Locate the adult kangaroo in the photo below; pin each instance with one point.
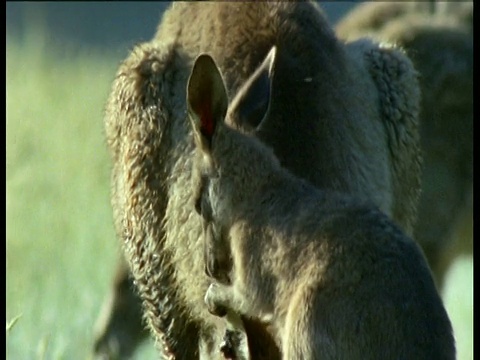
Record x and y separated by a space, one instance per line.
341 116
438 38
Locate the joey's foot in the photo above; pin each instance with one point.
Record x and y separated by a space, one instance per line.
227 347
235 345
211 299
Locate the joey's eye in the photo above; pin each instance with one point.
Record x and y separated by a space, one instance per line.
214 174
206 208
199 195
203 206
198 205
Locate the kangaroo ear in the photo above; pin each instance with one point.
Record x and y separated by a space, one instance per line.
252 102
398 88
207 100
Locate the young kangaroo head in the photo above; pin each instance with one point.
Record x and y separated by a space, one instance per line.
223 154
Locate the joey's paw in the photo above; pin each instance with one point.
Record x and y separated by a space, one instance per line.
212 301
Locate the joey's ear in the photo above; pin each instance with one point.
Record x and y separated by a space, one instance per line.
252 102
207 100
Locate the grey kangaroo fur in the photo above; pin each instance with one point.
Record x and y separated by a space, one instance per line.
341 116
333 276
438 37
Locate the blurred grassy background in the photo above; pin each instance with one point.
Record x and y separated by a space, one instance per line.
61 247
60 242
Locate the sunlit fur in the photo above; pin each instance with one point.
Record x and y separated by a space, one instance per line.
342 116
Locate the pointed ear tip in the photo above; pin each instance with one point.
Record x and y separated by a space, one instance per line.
199 63
270 58
272 53
204 59
203 56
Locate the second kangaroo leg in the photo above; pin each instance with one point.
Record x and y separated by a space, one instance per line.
119 328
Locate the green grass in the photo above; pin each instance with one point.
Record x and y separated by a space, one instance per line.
458 298
61 247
